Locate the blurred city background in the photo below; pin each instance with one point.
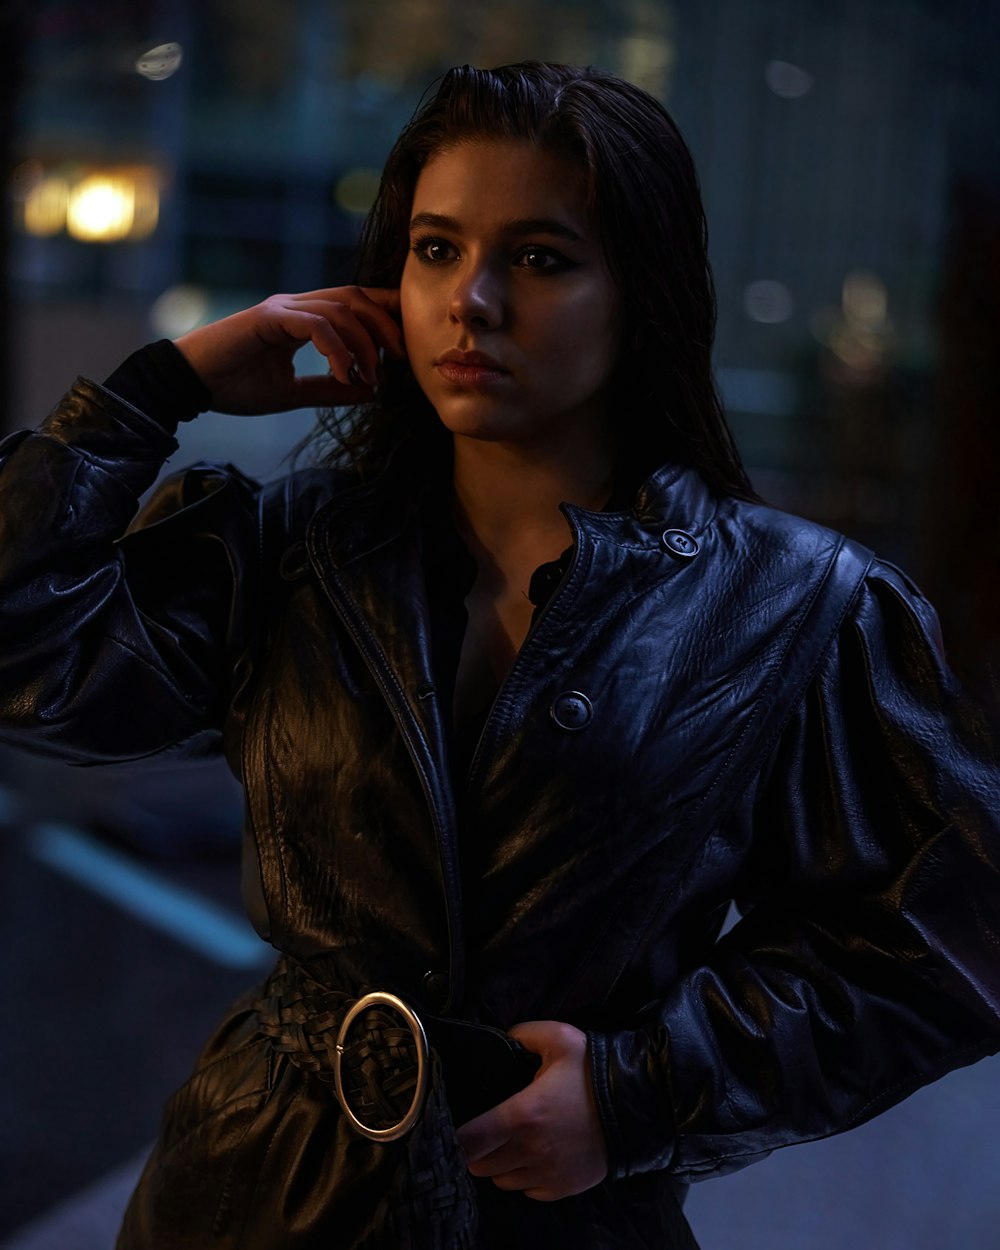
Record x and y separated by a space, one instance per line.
169 161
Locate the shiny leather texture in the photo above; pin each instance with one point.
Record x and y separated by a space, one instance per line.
719 702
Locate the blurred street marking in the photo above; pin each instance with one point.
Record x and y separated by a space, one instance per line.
198 922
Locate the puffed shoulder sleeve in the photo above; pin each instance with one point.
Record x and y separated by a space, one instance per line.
115 646
867 959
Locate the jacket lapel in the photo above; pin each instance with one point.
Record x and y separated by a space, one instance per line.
367 554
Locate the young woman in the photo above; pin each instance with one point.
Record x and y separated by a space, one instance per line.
524 687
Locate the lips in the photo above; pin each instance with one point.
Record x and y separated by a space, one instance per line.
473 370
473 360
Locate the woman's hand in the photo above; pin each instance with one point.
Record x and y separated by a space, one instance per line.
547 1139
246 360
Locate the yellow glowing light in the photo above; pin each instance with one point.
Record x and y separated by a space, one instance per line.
26 178
356 190
146 207
101 209
95 206
45 207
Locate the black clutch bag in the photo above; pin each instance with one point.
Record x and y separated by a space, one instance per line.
481 1065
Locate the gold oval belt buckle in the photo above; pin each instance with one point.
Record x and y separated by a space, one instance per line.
381 1066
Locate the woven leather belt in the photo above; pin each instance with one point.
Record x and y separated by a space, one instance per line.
376 1052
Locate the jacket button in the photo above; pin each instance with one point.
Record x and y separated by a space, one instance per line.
435 987
571 710
679 543
294 562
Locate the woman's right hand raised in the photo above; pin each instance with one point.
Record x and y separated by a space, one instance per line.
247 360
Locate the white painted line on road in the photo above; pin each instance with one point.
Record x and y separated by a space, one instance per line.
211 930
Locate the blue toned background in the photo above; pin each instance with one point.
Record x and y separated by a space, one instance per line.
168 161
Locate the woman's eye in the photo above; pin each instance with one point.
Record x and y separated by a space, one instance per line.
433 251
542 260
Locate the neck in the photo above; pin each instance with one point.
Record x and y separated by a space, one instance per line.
507 497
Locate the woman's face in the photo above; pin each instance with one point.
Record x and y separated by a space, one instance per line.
510 315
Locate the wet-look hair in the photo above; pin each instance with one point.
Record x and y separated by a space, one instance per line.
643 193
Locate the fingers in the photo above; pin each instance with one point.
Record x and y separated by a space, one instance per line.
547 1038
547 1139
513 1144
377 308
485 1134
346 343
345 325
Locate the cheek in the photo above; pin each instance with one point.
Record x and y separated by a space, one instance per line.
416 304
407 310
409 303
589 332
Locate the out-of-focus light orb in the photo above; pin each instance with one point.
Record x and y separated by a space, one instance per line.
45 207
646 59
26 177
94 206
178 310
355 192
160 62
768 301
146 204
101 209
787 80
865 299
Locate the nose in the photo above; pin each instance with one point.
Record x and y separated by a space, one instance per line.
477 298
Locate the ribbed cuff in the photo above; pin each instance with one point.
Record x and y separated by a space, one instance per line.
158 381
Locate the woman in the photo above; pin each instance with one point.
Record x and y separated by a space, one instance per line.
524 687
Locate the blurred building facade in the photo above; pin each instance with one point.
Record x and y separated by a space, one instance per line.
835 144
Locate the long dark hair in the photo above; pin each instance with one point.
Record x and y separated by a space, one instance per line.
644 193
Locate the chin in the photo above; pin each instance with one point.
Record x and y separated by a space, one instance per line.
470 421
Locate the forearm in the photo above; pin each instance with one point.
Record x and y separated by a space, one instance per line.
77 651
158 381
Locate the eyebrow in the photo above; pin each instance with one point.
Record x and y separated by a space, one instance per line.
522 226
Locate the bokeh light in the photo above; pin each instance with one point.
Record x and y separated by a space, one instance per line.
91 205
45 207
768 301
787 80
100 209
355 192
865 299
160 62
179 309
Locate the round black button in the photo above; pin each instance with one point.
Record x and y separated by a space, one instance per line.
294 562
679 543
435 987
571 710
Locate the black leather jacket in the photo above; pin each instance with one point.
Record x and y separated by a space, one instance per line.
718 702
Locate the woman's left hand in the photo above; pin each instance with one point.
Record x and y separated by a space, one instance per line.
547 1139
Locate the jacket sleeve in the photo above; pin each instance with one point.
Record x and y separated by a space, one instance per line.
867 959
114 647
